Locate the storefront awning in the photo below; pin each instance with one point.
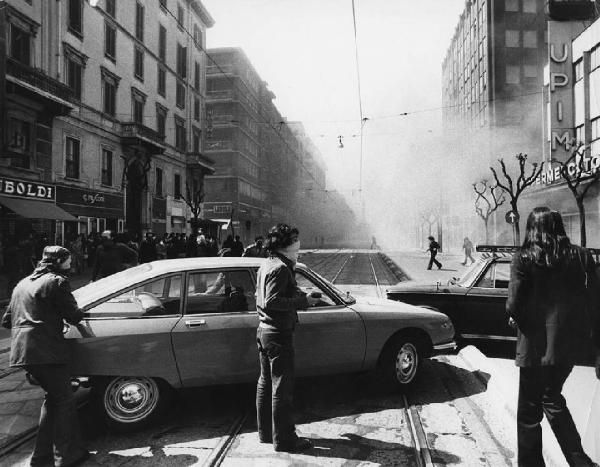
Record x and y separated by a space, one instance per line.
33 209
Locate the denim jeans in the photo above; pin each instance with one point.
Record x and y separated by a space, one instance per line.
275 388
59 435
540 391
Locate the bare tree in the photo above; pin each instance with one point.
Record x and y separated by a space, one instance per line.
582 172
194 198
491 202
515 189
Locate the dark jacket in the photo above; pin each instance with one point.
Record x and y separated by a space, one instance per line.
277 295
255 251
549 306
112 258
37 308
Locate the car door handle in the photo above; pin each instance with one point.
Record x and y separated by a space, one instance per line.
194 323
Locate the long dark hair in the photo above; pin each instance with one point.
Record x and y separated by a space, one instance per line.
546 242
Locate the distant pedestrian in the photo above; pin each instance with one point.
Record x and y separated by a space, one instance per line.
148 251
278 298
256 250
468 248
553 283
112 257
38 306
433 251
238 247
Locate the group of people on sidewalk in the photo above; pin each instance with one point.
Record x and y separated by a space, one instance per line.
553 302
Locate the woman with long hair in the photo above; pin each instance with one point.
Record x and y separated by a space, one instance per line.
553 300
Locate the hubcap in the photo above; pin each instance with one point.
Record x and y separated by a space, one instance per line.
129 399
407 360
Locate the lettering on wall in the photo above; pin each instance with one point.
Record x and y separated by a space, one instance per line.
26 189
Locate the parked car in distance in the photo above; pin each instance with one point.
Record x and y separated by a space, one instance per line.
192 322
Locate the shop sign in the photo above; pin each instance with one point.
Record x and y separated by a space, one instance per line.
26 189
580 168
89 198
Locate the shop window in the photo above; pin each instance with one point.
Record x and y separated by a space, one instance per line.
20 45
139 21
110 41
177 186
107 167
72 157
138 63
162 42
530 39
158 187
162 81
511 38
76 17
111 9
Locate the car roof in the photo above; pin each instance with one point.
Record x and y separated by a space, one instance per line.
164 266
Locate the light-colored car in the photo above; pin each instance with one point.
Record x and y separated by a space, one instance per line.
192 322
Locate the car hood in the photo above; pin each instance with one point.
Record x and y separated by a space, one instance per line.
372 305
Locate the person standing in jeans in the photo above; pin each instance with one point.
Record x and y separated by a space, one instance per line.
433 251
38 307
553 283
278 298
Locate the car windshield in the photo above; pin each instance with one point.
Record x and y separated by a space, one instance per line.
468 277
338 292
94 290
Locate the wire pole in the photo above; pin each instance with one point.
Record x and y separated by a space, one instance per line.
362 119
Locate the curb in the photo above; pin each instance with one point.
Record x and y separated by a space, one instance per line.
475 360
398 272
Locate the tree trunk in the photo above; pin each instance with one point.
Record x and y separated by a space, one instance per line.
487 231
517 229
582 232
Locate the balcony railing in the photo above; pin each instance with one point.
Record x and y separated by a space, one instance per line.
138 134
38 79
218 145
225 94
224 119
215 70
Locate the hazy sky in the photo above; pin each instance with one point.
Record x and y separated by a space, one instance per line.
304 50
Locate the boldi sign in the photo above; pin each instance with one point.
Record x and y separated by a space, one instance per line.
26 189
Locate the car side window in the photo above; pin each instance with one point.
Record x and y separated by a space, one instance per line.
220 291
307 285
487 280
158 297
496 277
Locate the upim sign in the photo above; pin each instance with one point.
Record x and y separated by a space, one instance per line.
26 189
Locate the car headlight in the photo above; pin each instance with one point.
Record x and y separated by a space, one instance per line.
446 325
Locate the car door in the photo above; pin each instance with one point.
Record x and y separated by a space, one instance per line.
128 333
485 305
215 342
330 337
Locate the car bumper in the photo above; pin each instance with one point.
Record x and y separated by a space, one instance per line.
445 347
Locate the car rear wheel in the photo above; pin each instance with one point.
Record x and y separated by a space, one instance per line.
128 403
400 362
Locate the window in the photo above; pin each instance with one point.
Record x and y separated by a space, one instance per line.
76 17
511 38
180 16
224 291
139 21
308 285
161 119
180 95
530 39
109 91
196 109
197 76
159 297
181 61
578 69
20 45
162 42
196 140
197 36
513 75
580 134
511 5
529 6
594 58
162 80
19 138
74 76
177 186
110 41
138 63
158 185
138 101
72 152
496 277
530 71
595 129
180 134
107 168
111 9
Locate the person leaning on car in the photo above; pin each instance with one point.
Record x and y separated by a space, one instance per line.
112 257
278 298
553 283
35 314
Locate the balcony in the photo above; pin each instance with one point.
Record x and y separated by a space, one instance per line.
56 95
136 134
219 95
222 145
196 160
218 70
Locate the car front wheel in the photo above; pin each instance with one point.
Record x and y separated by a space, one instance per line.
400 362
130 402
